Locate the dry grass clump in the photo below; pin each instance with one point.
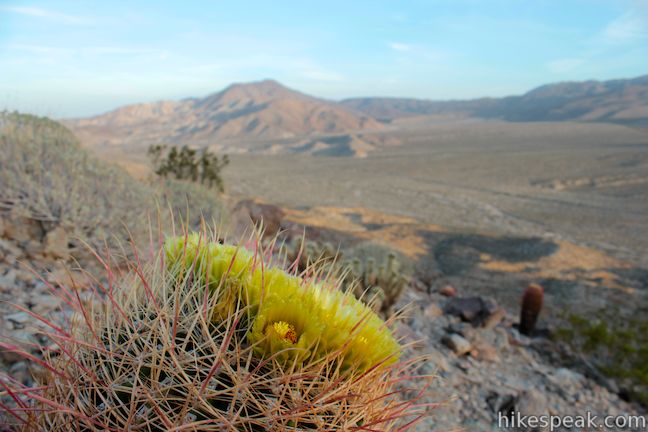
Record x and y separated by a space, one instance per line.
47 176
190 202
176 344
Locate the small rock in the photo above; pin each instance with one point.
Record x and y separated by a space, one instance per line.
9 280
33 249
59 276
457 344
418 285
20 372
435 362
517 339
56 243
432 311
485 352
23 229
497 337
18 317
494 318
562 375
9 356
16 338
45 302
463 329
448 291
531 403
8 250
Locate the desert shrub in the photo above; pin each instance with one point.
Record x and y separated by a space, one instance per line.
202 167
46 175
191 202
208 337
616 343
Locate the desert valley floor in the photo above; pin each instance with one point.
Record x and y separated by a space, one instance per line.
582 182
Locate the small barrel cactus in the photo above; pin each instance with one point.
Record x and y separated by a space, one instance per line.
532 300
212 337
304 253
382 285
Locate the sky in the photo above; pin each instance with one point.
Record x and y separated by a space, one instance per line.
81 58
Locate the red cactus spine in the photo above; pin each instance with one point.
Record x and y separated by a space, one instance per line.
531 306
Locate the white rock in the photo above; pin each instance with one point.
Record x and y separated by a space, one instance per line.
457 343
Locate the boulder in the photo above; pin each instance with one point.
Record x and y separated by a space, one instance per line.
475 310
254 212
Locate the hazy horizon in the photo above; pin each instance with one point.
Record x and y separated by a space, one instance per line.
71 59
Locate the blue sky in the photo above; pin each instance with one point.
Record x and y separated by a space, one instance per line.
78 58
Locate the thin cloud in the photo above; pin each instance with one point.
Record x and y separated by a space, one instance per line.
401 47
564 65
37 12
629 27
92 51
322 75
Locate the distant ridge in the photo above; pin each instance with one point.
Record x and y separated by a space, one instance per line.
623 101
260 112
267 117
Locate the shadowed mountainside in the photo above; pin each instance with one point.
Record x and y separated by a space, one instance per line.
622 101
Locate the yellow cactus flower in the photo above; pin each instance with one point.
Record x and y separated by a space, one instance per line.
286 327
354 328
290 318
223 267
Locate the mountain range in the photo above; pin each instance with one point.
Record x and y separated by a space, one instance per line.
622 101
268 117
259 116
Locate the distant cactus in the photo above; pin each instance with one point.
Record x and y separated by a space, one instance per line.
303 253
381 285
531 306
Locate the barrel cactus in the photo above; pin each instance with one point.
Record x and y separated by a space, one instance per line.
206 336
532 300
380 284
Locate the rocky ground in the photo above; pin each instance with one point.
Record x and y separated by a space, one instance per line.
31 262
483 364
